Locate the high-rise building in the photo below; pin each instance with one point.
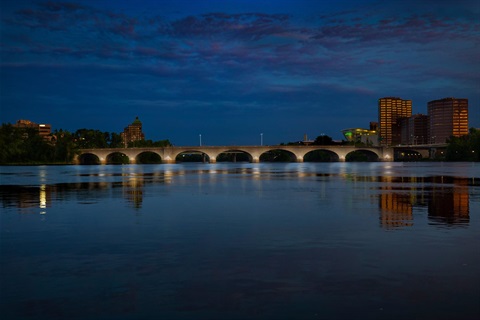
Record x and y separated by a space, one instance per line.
390 110
448 117
415 129
133 132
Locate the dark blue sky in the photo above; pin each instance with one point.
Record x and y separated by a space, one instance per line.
230 70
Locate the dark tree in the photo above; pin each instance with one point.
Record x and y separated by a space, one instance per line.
464 148
323 140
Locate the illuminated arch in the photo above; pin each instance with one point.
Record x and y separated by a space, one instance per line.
148 157
234 156
88 159
117 158
361 155
192 156
321 155
278 155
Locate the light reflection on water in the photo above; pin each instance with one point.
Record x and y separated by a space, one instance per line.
262 241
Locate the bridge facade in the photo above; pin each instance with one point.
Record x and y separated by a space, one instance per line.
169 154
425 151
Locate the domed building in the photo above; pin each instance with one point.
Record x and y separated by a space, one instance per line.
369 137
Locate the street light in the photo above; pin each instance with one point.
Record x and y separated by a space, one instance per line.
261 139
200 137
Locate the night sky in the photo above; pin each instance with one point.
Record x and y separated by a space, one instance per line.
231 70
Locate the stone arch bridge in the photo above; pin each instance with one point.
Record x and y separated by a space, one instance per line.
169 154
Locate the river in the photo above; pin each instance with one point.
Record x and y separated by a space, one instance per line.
241 241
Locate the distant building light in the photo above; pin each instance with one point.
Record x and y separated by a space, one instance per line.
41 125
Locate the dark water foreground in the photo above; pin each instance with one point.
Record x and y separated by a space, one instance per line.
241 241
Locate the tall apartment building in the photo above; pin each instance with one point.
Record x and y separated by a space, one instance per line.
133 132
390 110
448 117
415 129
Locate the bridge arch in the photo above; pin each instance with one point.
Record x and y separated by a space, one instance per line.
361 155
88 158
321 155
148 157
278 155
192 156
117 158
234 156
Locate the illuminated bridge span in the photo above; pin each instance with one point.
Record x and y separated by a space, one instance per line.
252 153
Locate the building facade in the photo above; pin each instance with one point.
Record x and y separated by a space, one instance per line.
415 129
448 117
368 137
390 110
132 133
44 130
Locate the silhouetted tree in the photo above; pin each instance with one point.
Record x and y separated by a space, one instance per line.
65 146
11 142
90 138
116 140
323 140
464 148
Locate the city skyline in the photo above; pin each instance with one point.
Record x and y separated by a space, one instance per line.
233 72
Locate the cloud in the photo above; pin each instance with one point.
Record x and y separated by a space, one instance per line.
251 26
257 58
80 31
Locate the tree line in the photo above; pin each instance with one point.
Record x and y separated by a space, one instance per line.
25 145
464 148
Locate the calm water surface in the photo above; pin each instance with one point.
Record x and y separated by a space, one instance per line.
241 241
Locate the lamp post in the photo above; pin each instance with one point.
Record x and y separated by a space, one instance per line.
261 139
200 138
